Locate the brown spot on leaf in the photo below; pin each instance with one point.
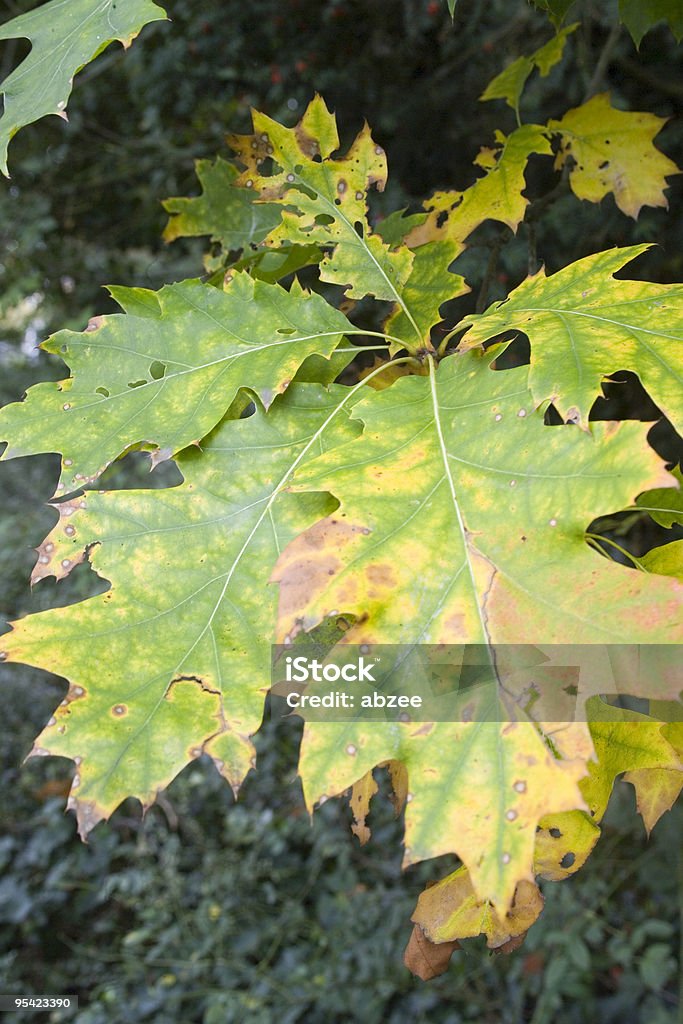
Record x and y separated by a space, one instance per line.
119 710
381 575
304 568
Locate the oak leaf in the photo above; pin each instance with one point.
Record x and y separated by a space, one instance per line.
65 35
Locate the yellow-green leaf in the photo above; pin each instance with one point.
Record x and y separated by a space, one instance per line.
563 844
628 742
163 376
584 325
667 560
438 460
325 200
657 789
495 196
451 910
477 789
174 659
612 151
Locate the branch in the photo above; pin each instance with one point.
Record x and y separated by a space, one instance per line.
596 80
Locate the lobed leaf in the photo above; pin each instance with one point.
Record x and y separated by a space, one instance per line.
612 151
583 325
65 35
470 789
640 15
325 203
426 485
509 84
227 213
658 788
497 195
628 742
173 660
162 375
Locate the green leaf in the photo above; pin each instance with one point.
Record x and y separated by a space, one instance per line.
495 196
226 213
173 660
612 151
509 84
583 325
272 265
664 504
630 742
163 379
424 486
65 35
667 560
556 9
640 15
658 788
325 202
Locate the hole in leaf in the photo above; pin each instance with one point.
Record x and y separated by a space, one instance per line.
324 218
286 330
102 391
567 860
137 383
359 229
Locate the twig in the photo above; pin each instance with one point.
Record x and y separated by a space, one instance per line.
595 83
669 87
482 297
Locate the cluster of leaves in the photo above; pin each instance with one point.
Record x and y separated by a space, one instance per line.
265 915
637 15
443 499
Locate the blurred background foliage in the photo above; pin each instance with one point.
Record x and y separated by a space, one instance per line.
208 912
